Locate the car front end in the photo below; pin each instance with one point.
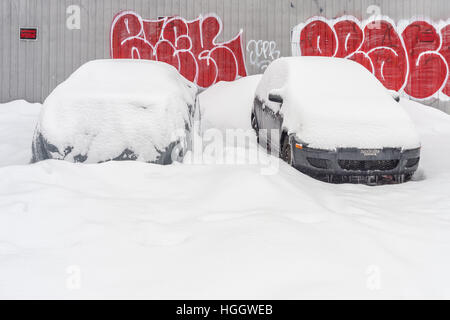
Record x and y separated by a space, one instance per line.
356 165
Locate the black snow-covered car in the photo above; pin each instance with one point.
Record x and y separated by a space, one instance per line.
333 120
117 110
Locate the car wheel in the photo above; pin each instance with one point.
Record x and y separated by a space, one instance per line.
286 150
255 127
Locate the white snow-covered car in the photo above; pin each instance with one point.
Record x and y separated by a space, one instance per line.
117 110
333 120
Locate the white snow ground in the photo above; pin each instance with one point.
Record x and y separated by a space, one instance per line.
17 122
136 230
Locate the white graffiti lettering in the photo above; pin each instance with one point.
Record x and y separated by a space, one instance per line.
262 53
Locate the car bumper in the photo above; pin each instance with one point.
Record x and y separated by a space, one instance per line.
370 166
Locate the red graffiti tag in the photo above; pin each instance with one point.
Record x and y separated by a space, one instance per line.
427 68
445 51
189 46
415 61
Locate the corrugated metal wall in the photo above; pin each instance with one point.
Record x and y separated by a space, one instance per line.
31 69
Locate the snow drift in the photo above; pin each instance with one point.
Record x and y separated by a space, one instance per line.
17 123
135 230
116 110
228 105
330 103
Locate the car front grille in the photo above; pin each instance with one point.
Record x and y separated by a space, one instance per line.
368 165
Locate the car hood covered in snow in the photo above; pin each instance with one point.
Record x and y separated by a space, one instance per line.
109 106
331 103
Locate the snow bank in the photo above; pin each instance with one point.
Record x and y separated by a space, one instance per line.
228 105
331 103
428 120
17 123
110 107
147 231
134 230
433 127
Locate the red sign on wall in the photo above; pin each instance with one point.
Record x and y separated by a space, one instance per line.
28 33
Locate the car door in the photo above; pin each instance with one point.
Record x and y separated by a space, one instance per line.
269 124
274 120
269 120
261 120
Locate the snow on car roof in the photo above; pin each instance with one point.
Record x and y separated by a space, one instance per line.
331 103
123 80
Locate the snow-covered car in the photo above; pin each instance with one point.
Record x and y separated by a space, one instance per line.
117 110
333 120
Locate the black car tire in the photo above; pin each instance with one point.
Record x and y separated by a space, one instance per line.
286 150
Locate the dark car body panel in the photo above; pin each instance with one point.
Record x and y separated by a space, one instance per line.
267 121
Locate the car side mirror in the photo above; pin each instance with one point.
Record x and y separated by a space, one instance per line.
275 98
395 95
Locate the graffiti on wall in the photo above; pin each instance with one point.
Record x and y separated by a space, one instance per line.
262 53
189 46
411 57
